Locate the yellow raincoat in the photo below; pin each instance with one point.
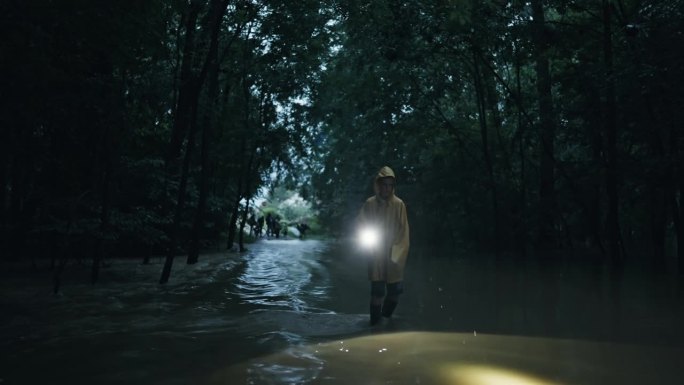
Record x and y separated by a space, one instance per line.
387 261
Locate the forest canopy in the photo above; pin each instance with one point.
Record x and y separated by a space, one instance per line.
132 128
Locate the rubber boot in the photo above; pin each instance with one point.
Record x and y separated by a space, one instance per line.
375 311
388 308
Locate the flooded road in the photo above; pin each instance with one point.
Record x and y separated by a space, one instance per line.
295 312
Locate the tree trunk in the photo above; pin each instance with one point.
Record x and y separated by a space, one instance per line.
207 126
5 161
190 82
658 224
248 187
677 176
104 215
610 129
233 223
241 234
238 197
234 214
678 217
18 213
178 212
546 131
612 220
594 214
186 117
187 85
679 203
186 107
63 251
193 252
484 135
521 232
546 216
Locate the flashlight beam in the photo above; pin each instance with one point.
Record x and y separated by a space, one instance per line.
369 237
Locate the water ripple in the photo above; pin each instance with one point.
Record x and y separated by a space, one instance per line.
289 276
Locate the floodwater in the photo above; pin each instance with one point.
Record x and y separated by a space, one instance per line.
295 312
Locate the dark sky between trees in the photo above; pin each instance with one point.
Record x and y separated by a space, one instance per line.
133 128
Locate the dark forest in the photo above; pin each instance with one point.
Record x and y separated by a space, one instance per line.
139 128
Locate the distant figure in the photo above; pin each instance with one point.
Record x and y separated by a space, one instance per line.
269 225
260 226
302 228
386 212
251 221
276 227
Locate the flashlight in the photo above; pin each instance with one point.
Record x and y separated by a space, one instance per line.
369 237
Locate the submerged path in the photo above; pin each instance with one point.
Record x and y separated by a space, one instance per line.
228 308
294 312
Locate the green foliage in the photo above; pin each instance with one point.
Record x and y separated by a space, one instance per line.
323 94
401 86
89 101
289 206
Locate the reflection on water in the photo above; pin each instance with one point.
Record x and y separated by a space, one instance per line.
295 312
459 359
285 275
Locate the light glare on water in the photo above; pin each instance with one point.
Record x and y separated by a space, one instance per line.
485 375
459 359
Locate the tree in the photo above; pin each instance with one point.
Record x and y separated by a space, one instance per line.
185 119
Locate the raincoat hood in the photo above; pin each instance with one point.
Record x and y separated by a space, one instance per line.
384 172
